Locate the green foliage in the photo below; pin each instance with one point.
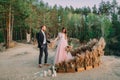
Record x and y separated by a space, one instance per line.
82 23
1 36
105 26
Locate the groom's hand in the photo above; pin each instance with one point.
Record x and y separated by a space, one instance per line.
51 41
51 44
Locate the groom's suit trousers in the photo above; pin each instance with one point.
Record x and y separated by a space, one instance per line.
42 49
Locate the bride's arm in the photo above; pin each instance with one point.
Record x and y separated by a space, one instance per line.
56 39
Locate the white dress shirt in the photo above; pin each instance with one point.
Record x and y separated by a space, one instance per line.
44 41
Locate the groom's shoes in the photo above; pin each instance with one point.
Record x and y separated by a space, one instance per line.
46 64
40 66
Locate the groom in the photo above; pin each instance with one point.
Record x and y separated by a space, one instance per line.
42 45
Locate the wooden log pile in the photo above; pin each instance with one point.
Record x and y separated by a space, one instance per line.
85 57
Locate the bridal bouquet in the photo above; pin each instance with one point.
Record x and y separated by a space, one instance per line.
68 48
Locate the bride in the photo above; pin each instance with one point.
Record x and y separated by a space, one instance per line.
61 53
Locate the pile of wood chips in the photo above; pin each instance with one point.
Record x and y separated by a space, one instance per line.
85 57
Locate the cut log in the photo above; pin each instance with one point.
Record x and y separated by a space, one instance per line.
61 71
88 67
70 70
80 69
95 65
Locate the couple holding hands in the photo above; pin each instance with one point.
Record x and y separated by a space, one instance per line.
60 54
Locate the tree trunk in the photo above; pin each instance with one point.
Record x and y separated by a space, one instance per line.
20 33
11 31
8 26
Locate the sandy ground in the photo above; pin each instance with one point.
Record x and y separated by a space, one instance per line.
21 63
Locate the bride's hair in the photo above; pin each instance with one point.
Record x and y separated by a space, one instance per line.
65 32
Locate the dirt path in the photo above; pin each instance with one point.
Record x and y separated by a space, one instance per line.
21 63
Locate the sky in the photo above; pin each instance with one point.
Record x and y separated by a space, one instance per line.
76 3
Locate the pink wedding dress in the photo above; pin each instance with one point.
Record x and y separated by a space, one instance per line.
61 53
